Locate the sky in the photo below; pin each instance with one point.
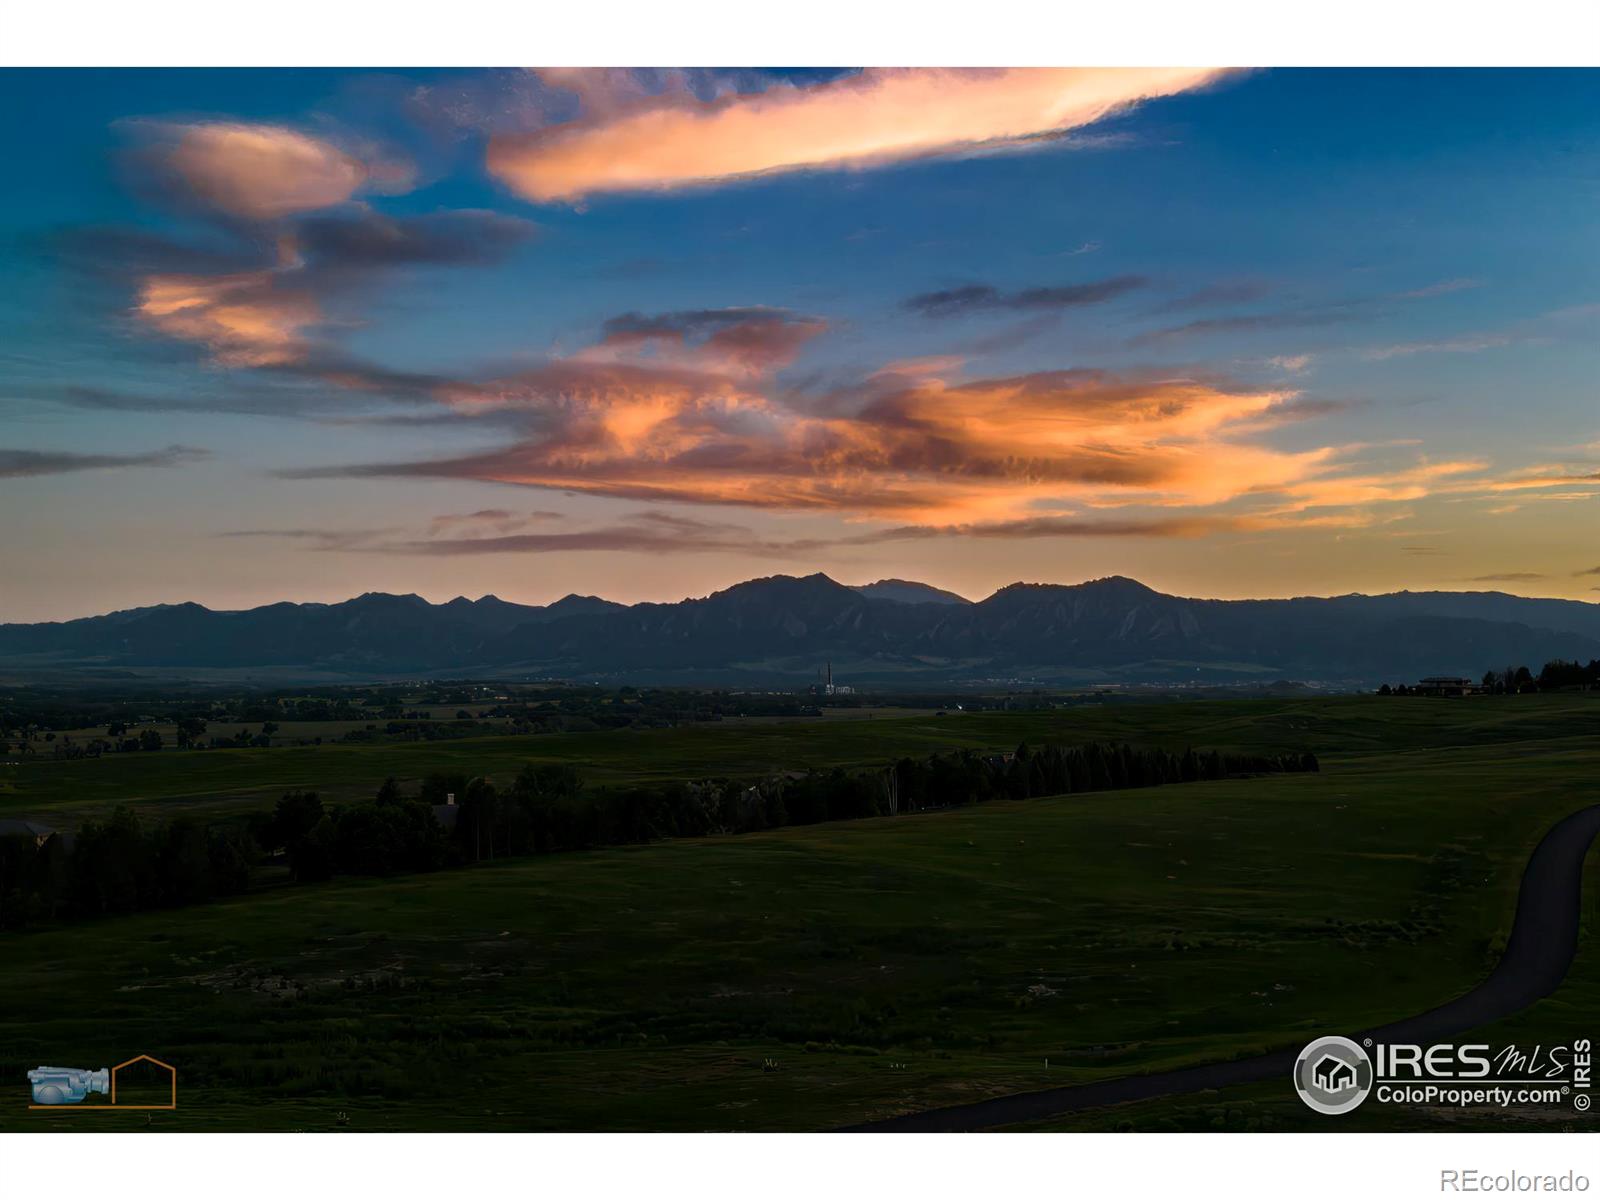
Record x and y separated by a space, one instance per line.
301 334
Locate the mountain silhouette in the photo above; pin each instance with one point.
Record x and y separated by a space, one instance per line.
783 628
908 592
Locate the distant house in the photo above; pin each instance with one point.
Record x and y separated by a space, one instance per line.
15 828
1447 685
1334 1074
447 813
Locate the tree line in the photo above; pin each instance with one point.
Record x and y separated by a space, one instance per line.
121 865
1555 676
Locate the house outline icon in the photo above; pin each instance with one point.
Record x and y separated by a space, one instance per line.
171 1071
1333 1075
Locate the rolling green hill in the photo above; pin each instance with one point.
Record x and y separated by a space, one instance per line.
220 781
812 977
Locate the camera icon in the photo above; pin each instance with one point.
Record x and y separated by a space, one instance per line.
67 1085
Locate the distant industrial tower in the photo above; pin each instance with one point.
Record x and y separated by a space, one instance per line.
829 688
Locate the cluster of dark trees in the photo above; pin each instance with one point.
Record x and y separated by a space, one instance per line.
1553 677
1054 770
120 866
390 835
546 809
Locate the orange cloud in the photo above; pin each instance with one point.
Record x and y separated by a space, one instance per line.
262 172
1547 476
247 319
684 407
906 445
260 317
875 117
1352 490
1020 457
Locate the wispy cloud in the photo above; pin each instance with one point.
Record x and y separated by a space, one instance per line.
1574 322
268 314
19 464
362 239
495 520
1031 528
270 398
642 533
316 539
878 116
978 297
649 532
1547 476
1225 294
749 340
656 532
1443 288
1347 489
1293 363
1471 344
1295 318
1291 315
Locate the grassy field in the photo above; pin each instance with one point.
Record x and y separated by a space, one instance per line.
812 977
1573 1011
214 782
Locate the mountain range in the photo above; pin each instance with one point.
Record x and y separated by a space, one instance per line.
783 629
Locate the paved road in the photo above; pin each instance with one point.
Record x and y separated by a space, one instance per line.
1544 938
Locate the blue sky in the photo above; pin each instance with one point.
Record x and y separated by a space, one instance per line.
300 334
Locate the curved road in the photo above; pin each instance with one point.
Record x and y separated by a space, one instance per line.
1544 938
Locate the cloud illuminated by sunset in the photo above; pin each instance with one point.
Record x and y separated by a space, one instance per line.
921 446
260 172
875 117
245 320
264 317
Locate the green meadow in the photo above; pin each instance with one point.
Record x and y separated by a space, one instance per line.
219 782
1573 1011
811 977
